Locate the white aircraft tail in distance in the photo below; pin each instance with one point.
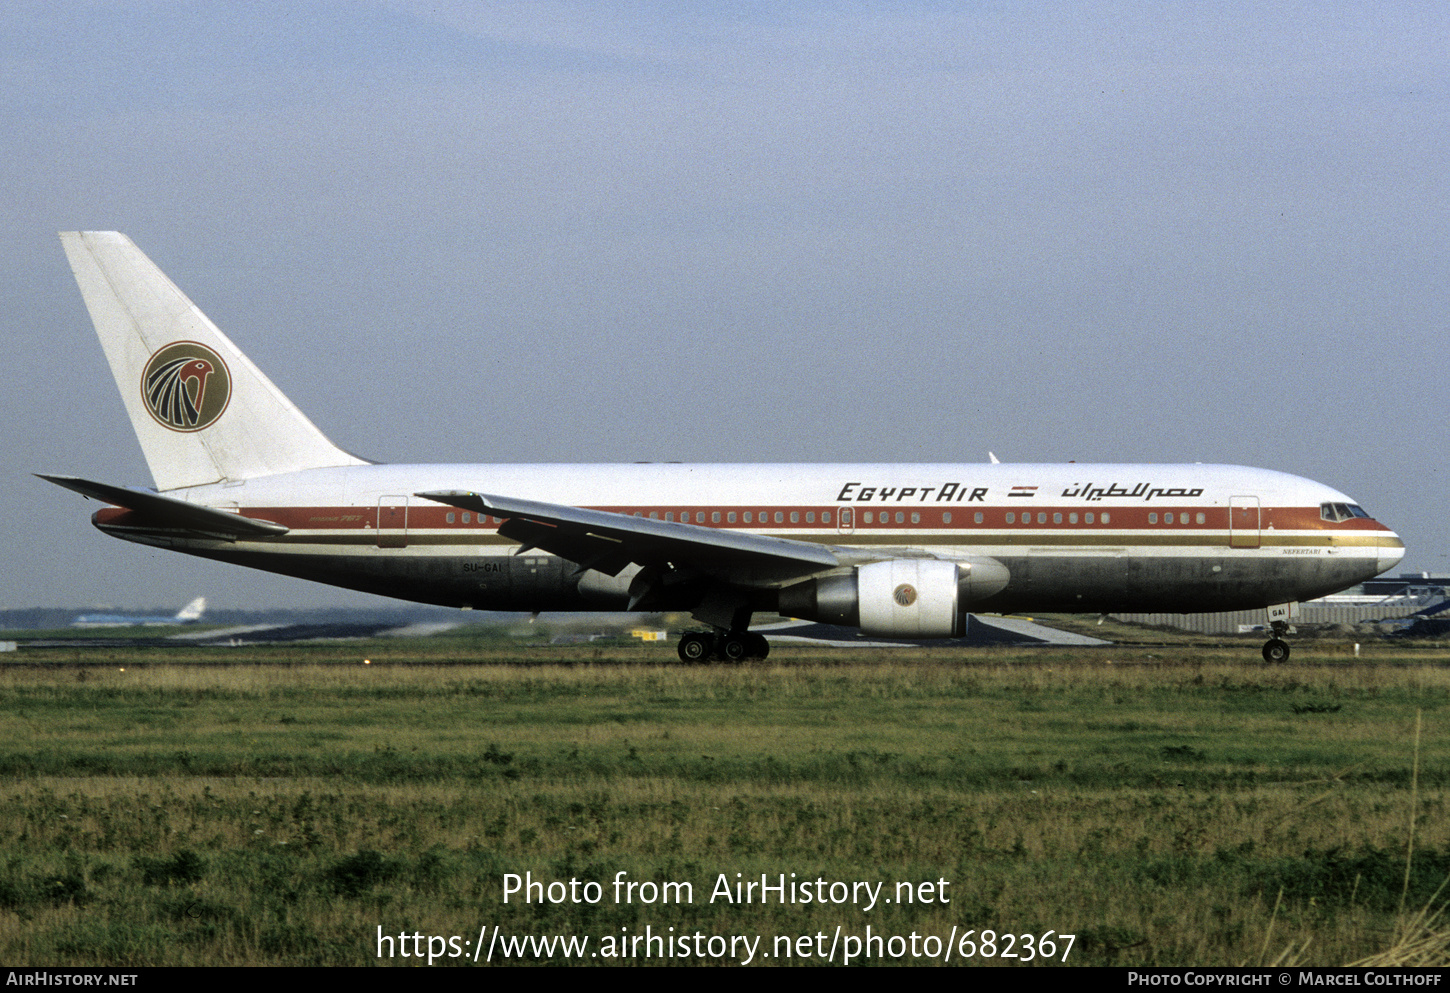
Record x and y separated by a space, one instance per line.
902 550
190 614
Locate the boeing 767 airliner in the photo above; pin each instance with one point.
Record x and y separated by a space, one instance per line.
896 550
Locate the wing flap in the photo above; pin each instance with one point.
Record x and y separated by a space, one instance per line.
599 539
168 512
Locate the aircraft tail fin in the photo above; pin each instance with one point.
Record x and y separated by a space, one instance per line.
201 410
192 611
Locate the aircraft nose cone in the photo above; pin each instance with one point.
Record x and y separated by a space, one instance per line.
1389 558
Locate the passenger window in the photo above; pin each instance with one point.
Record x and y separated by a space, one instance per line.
1057 518
1072 518
825 517
1087 518
450 518
1152 518
1201 518
810 517
669 515
900 517
795 517
466 518
732 517
947 517
1011 517
779 517
1106 518
1041 518
749 518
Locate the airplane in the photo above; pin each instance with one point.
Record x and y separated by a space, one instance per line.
901 550
190 614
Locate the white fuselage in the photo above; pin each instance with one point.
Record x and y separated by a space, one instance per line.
1072 537
243 476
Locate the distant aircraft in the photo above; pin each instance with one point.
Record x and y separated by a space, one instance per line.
896 550
189 614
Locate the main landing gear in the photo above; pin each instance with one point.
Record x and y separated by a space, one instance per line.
727 646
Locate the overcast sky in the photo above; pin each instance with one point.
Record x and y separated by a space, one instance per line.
560 232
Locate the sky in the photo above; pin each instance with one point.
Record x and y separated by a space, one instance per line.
737 232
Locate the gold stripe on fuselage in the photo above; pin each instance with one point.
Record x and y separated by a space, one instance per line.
1016 539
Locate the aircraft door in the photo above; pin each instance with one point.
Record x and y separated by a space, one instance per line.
845 520
392 522
1243 522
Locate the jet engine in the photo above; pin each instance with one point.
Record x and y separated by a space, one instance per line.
901 598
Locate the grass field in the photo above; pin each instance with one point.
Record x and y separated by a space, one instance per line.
1173 805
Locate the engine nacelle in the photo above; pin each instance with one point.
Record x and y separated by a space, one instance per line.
901 598
910 598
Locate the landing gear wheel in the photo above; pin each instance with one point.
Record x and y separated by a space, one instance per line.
759 647
734 647
1276 650
695 648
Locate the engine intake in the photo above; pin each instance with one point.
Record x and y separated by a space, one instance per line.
901 598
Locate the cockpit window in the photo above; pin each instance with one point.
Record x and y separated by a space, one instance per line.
1341 511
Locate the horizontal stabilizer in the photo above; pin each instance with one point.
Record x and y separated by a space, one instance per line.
170 512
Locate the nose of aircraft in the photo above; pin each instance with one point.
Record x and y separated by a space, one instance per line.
1390 557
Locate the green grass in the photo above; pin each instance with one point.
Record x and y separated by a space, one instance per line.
259 812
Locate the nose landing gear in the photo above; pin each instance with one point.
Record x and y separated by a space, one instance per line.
1276 649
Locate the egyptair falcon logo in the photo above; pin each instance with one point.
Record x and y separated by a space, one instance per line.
186 386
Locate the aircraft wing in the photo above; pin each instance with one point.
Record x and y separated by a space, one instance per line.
607 542
168 512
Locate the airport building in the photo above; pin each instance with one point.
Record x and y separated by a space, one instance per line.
1403 599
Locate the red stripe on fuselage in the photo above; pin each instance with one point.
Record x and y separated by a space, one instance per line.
826 518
